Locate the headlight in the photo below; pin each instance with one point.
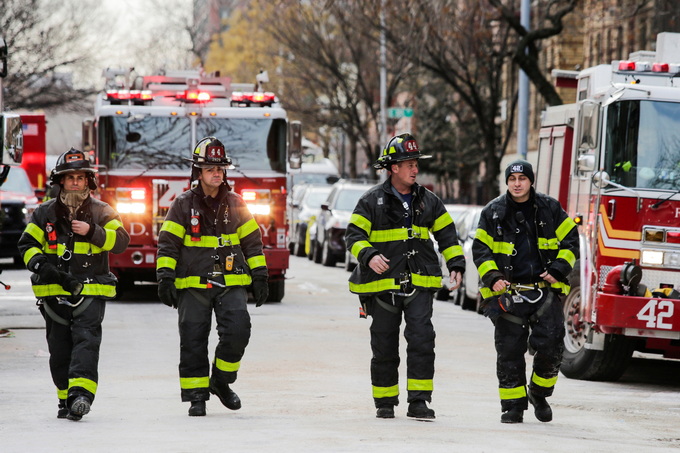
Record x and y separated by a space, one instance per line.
651 257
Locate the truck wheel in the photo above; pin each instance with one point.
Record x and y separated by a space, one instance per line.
299 247
276 290
581 363
327 258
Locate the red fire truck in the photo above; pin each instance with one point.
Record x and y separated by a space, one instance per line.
613 160
146 126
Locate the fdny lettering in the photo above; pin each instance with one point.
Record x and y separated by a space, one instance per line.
175 188
677 212
137 229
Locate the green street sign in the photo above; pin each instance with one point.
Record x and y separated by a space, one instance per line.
399 112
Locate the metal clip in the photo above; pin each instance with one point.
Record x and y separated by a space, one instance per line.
67 254
64 301
410 253
412 234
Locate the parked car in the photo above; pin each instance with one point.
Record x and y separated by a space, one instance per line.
328 240
465 218
305 202
469 297
17 203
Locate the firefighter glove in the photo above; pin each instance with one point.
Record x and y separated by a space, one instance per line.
48 273
260 290
167 292
71 284
494 307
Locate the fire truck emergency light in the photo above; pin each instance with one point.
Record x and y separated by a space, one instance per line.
643 66
193 96
257 201
242 98
130 201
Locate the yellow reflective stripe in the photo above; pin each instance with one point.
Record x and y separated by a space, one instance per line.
496 247
113 224
426 281
361 222
548 244
512 394
227 366
85 248
420 384
484 237
563 287
385 392
568 256
110 239
188 383
62 394
212 241
399 234
229 280
487 266
30 253
486 292
174 228
374 287
37 233
359 246
89 289
166 261
256 261
564 228
87 384
543 382
247 228
442 221
453 251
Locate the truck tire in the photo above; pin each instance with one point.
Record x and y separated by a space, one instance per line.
276 290
587 364
316 252
327 258
299 246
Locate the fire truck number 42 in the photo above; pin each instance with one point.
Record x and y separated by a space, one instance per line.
655 312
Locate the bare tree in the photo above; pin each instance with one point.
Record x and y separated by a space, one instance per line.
462 43
548 23
334 59
50 52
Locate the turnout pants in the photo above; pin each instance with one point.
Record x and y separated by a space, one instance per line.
233 328
419 334
73 338
546 338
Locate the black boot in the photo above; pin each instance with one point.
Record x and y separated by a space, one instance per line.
62 412
418 409
229 398
514 415
385 412
79 407
542 409
197 409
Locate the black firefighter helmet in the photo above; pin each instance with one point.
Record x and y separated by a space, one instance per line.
399 148
71 161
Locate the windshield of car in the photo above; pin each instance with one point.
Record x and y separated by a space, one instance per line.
348 198
149 142
316 197
17 181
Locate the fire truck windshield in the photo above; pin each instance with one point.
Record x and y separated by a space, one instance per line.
642 144
148 142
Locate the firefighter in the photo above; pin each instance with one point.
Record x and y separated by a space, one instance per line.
525 247
209 253
398 273
66 245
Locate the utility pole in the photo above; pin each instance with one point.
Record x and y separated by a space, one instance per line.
3 66
523 92
383 79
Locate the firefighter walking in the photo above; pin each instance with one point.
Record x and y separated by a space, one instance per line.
66 245
209 253
525 248
398 273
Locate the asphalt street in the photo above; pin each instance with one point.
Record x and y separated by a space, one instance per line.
305 386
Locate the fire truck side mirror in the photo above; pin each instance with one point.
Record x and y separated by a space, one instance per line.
586 162
588 125
11 139
295 146
88 135
601 179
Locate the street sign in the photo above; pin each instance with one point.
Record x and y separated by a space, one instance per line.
399 112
